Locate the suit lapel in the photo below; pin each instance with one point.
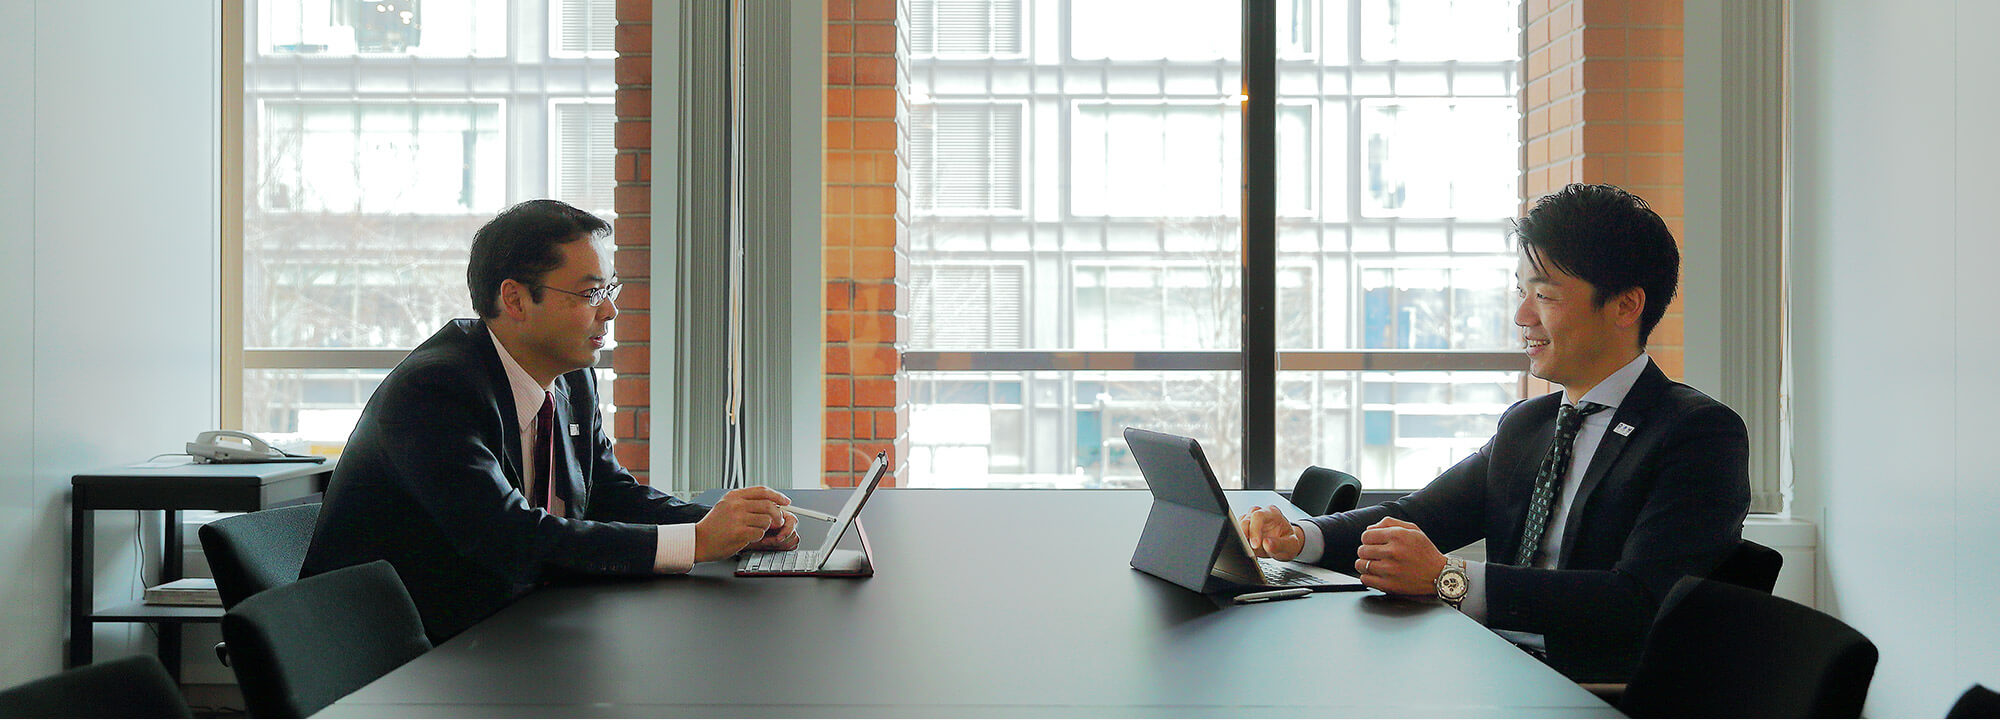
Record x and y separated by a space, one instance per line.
571 491
503 392
1631 412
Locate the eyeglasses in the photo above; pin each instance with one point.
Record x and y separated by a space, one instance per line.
594 296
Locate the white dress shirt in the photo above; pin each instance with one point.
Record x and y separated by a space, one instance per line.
673 554
1609 393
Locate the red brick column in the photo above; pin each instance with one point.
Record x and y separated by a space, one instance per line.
867 237
632 228
1602 97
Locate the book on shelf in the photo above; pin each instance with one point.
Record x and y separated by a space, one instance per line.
198 592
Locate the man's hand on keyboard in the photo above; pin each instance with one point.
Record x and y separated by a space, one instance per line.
783 536
741 517
1271 535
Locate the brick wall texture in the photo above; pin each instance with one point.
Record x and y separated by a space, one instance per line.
1602 92
632 229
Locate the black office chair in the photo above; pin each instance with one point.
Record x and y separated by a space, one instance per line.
1977 702
1750 565
136 686
299 647
1324 491
1720 650
254 552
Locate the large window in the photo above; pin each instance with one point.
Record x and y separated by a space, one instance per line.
377 137
1077 202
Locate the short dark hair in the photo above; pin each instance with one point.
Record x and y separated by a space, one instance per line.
1611 239
521 244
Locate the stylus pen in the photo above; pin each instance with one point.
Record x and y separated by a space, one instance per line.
1285 594
814 514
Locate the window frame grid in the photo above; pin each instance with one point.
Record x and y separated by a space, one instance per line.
1023 160
1048 230
554 139
502 115
554 50
526 79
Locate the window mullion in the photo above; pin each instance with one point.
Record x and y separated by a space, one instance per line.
1260 234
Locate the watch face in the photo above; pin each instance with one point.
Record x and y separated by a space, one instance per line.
1451 584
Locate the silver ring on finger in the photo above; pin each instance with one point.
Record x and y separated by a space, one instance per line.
1365 565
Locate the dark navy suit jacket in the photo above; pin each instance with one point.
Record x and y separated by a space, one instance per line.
1668 500
431 481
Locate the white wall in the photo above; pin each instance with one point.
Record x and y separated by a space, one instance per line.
108 270
31 553
1976 490
1895 338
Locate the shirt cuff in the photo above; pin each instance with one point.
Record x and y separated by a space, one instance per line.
675 553
1474 604
1315 543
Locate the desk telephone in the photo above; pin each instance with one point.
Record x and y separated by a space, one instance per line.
236 446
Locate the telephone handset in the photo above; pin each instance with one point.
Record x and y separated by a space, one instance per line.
236 446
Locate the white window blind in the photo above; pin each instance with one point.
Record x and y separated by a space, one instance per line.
584 27
966 158
584 154
965 28
967 306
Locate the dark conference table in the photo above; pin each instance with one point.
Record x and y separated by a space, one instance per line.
1011 603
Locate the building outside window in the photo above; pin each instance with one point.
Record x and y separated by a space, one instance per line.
1076 187
378 136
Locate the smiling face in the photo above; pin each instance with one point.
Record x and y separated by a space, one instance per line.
561 332
1571 340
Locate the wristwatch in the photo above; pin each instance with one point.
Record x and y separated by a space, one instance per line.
1451 583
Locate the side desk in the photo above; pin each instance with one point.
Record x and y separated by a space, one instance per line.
170 488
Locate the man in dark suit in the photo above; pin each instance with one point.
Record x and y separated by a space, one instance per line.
481 464
1592 501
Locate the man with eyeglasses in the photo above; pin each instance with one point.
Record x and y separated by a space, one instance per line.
481 467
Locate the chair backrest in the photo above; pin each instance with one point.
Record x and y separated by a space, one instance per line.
1750 565
1720 650
1323 491
257 551
135 686
1977 702
297 648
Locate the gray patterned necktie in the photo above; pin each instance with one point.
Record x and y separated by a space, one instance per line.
1555 465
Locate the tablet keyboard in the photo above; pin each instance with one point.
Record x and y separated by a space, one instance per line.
789 561
1277 573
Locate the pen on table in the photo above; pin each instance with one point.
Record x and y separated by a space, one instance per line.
804 513
1285 594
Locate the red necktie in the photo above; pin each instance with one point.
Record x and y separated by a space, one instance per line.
542 494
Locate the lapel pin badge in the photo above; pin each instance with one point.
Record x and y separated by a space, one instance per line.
1622 429
575 430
